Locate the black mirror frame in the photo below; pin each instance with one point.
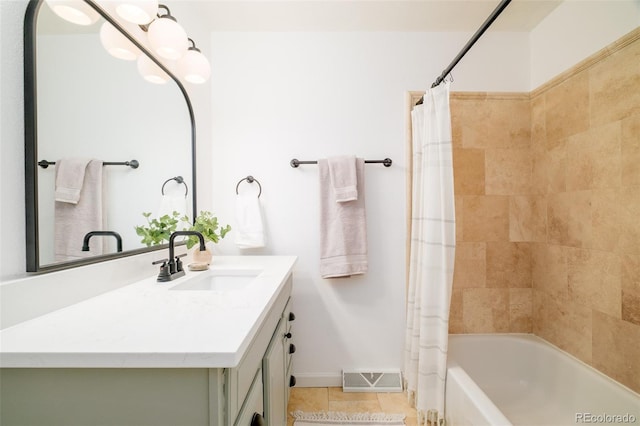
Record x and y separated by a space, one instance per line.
31 144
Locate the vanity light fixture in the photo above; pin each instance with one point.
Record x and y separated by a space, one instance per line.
166 37
139 12
75 11
194 66
117 44
151 71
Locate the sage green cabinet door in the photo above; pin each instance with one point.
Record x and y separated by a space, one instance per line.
273 366
253 405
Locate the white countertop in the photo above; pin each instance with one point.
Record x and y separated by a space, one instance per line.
145 324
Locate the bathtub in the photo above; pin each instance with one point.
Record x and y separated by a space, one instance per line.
520 379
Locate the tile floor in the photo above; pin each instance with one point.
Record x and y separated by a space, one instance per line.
333 399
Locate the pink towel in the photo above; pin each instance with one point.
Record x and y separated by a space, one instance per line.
343 227
342 171
73 221
69 179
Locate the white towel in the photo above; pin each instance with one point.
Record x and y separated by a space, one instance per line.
170 203
74 221
343 228
342 171
249 229
69 179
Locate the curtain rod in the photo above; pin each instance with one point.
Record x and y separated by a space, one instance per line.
487 23
386 162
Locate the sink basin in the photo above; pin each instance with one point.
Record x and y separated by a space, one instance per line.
222 281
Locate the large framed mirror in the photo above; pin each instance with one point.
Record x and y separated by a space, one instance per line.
83 104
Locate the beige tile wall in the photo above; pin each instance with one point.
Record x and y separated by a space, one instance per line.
497 218
586 151
547 191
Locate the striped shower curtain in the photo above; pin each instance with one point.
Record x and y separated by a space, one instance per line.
432 251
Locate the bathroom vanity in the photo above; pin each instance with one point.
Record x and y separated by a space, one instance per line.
211 348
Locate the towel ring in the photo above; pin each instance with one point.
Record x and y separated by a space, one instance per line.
178 180
250 179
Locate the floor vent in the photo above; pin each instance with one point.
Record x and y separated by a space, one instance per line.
368 381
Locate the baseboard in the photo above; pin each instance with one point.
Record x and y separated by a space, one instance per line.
319 380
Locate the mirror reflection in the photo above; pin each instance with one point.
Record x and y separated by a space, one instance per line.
97 118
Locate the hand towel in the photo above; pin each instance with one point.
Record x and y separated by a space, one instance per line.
343 227
170 203
342 171
249 229
69 179
74 221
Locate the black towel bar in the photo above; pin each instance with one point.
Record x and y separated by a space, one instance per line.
134 164
386 162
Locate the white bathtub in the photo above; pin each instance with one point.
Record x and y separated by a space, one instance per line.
519 379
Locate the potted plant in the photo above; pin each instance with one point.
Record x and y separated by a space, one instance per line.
206 224
158 230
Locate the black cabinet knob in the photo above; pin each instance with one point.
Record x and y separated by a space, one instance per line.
257 420
292 316
288 335
292 348
292 381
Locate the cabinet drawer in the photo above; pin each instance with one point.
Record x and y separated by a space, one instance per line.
289 382
289 316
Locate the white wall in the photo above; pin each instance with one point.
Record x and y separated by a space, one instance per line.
12 222
575 30
308 95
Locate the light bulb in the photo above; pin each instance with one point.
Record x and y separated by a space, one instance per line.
167 38
75 11
151 71
117 44
139 12
194 67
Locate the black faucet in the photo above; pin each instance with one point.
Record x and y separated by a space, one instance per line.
172 268
87 237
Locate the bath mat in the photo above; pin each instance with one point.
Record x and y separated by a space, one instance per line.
333 418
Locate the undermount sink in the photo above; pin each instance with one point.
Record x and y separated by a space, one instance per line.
222 281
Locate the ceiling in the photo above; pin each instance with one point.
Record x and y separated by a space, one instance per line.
371 15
